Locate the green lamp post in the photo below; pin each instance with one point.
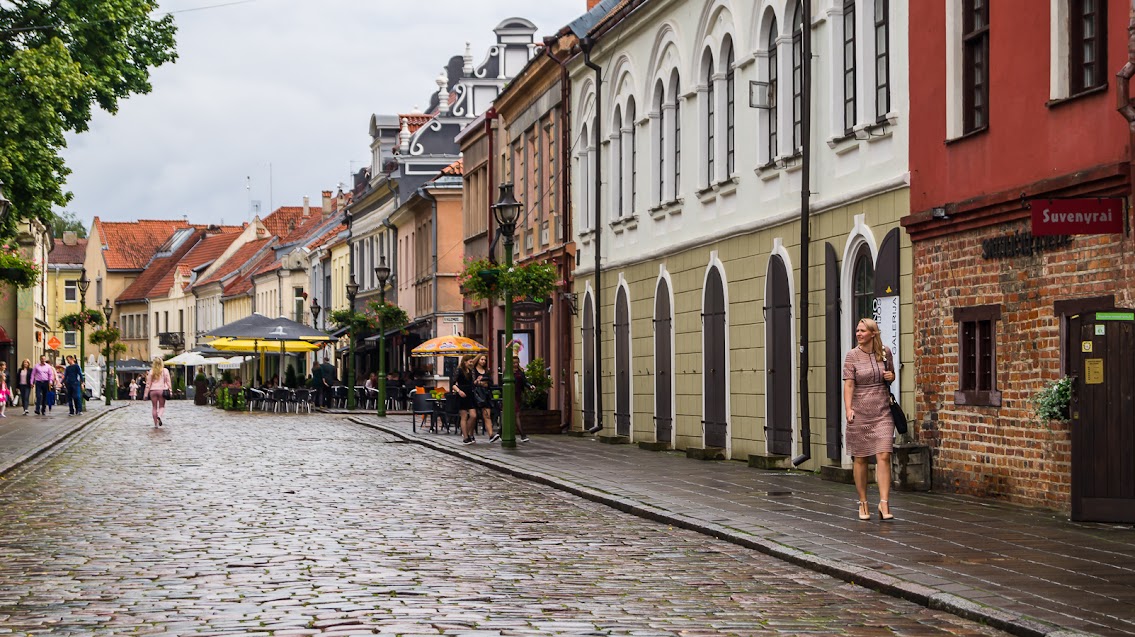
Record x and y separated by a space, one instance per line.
352 291
382 274
506 210
84 285
111 386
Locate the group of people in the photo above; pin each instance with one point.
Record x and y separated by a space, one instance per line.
471 383
48 381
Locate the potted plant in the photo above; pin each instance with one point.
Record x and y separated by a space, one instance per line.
1052 402
539 382
16 270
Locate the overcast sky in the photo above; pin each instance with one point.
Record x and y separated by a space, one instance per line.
275 90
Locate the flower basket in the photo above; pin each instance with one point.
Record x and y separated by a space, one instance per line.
76 320
16 270
482 280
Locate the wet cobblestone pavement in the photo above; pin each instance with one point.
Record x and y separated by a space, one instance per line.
254 524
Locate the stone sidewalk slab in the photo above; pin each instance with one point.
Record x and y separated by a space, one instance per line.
1028 572
23 438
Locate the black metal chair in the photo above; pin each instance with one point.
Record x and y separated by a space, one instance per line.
303 398
254 396
339 396
394 397
451 413
421 406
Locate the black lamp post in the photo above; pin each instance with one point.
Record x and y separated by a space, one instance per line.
382 273
352 291
506 210
84 285
315 323
107 310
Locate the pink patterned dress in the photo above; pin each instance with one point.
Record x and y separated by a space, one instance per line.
872 431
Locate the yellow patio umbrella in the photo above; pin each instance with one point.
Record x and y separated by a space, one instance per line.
451 345
252 345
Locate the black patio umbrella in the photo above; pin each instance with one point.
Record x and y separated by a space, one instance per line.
132 365
262 333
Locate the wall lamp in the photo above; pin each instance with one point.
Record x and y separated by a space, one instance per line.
939 213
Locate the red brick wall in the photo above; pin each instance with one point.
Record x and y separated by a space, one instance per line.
1004 452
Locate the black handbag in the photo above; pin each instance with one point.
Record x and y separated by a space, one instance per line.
897 414
167 395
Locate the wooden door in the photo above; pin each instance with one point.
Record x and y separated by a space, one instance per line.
663 375
713 362
833 356
778 359
622 364
588 363
1101 351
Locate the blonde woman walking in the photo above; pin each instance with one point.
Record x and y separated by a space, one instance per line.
158 385
868 369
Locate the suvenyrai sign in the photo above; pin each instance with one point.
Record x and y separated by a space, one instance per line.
1089 215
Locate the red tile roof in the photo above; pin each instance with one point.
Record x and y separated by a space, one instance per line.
330 237
284 220
456 168
415 120
64 254
129 245
206 250
239 258
156 270
243 283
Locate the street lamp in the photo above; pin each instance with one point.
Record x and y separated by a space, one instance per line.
382 273
506 210
315 313
107 309
84 285
352 291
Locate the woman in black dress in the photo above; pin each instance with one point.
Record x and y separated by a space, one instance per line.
483 396
462 384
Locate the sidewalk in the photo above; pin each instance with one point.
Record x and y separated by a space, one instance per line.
1024 571
22 438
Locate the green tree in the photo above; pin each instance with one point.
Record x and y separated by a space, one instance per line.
67 221
58 60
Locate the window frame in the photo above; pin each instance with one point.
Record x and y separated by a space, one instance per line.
850 90
70 339
710 120
1077 44
975 73
660 93
730 112
798 79
617 201
631 114
867 293
677 159
773 75
882 60
71 291
977 355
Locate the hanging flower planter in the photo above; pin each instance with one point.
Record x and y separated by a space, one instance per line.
74 321
16 270
482 280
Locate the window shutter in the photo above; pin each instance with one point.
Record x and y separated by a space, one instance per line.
833 355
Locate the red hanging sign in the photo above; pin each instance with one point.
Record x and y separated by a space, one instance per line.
1089 215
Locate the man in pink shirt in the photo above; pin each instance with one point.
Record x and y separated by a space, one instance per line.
43 376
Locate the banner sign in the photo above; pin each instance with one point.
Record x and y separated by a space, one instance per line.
1089 215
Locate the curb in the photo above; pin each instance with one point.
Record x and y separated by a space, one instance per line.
58 440
1013 623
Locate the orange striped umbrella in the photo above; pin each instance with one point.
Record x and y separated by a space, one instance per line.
451 345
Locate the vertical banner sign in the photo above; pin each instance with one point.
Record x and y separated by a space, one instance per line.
887 316
1088 215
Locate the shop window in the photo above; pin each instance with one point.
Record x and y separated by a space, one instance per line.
977 355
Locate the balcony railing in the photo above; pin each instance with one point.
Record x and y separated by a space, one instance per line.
171 340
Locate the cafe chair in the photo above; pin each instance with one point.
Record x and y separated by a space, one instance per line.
421 406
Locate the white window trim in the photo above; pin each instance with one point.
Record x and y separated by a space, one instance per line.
70 339
954 115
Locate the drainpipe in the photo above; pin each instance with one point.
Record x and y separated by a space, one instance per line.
805 239
1126 104
567 358
585 45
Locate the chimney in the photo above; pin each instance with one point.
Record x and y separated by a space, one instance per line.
70 238
306 206
591 4
328 203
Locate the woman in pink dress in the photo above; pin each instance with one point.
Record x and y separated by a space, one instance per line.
157 383
867 373
5 393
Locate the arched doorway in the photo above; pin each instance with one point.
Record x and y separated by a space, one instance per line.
622 363
778 359
588 363
663 376
713 361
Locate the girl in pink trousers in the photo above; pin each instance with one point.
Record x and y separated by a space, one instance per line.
157 383
4 392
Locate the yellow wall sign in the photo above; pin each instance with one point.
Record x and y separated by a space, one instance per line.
1085 346
1093 371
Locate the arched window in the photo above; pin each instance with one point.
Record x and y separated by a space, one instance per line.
710 120
632 148
675 96
882 60
584 179
730 110
848 65
862 287
617 165
772 92
797 77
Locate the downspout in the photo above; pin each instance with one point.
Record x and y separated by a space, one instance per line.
1126 104
490 115
585 46
567 357
805 238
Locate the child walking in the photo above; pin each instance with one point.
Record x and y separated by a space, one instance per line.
5 394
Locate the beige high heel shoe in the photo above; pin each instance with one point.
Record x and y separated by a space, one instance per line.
864 512
885 516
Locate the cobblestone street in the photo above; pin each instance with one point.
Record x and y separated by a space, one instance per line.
254 524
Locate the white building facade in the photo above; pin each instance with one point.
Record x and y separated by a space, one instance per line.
697 148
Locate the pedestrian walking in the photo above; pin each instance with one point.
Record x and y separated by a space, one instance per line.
133 389
159 385
5 394
24 384
868 369
483 395
520 384
43 377
55 388
73 380
462 383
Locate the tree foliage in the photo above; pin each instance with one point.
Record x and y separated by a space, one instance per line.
59 60
67 222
